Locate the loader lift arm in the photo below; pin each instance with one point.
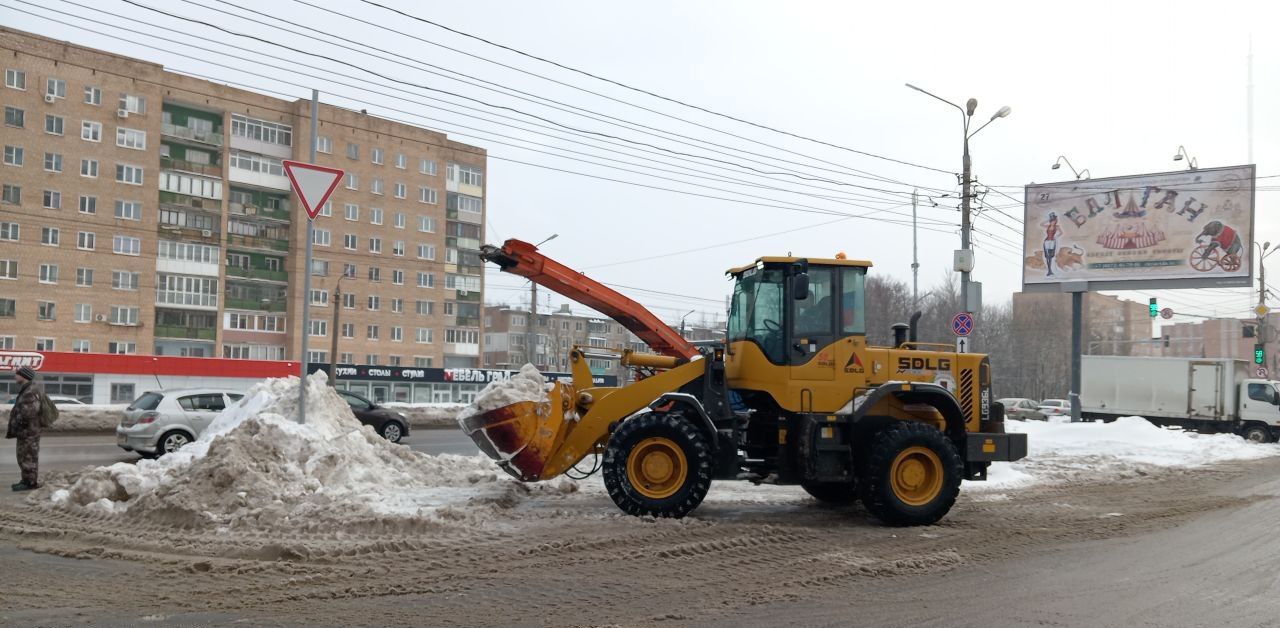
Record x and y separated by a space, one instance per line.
521 258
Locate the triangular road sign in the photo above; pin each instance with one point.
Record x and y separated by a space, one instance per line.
313 183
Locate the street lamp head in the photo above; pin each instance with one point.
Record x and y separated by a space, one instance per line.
1055 166
970 106
1177 157
553 236
1003 112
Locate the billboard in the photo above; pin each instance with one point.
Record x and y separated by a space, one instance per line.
1188 229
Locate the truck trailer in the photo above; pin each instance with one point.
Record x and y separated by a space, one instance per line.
1209 395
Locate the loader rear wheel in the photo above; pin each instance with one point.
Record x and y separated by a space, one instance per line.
911 475
657 465
835 493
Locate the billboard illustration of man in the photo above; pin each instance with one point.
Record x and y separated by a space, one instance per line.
1052 232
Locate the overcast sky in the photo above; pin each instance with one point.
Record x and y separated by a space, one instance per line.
1116 87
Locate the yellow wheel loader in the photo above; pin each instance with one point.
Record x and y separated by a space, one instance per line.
794 396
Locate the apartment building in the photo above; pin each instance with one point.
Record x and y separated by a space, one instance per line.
507 334
148 212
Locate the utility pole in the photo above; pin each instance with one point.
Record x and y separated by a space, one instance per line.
531 335
915 261
965 187
333 344
306 282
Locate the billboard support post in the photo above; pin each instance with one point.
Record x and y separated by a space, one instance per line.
1077 331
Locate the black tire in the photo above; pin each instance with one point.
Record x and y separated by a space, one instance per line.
1257 434
669 432
834 493
941 465
392 431
172 441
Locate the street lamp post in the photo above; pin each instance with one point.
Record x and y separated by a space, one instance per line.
531 334
333 342
1063 159
1261 310
1191 161
966 115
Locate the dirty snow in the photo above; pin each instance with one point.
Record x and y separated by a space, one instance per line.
1128 447
527 385
256 465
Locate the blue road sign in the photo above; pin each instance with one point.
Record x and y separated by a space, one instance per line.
962 324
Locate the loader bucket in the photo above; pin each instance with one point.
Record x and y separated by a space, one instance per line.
521 436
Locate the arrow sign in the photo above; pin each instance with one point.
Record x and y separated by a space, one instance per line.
962 344
312 183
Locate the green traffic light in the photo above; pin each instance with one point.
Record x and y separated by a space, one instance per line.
1259 355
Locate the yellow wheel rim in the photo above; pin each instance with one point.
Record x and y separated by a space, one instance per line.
916 475
657 467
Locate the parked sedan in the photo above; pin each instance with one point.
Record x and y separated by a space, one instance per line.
1055 407
1022 408
162 422
390 424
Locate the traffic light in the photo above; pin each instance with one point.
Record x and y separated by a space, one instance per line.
1259 354
1155 309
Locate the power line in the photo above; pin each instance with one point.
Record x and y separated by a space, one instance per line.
649 93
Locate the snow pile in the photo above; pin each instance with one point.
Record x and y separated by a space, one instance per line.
527 385
256 466
1126 448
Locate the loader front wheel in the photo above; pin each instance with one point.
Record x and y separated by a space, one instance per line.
911 475
657 465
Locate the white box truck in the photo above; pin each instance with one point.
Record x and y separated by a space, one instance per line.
1203 394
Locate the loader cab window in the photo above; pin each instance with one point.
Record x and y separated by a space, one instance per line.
756 313
815 314
852 305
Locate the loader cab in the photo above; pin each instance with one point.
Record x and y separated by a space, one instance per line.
789 310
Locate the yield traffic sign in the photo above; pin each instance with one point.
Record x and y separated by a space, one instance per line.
313 183
962 324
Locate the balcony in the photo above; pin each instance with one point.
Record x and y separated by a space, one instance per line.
208 170
461 216
257 242
212 138
462 348
258 211
209 236
183 201
458 242
467 321
193 333
234 303
258 273
468 296
174 298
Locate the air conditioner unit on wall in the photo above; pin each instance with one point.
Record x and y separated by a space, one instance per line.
206 232
101 317
49 98
122 113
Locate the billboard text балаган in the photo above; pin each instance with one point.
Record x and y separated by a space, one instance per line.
1186 229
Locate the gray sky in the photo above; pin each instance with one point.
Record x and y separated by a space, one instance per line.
1116 87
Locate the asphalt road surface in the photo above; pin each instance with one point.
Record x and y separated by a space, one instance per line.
68 452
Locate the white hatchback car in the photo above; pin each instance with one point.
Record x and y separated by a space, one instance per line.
161 422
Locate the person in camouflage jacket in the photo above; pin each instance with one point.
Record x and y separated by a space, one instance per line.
24 425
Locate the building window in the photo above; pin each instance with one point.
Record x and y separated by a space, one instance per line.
53 162
92 95
375 215
428 195
326 209
427 167
10 231
374 303
56 87
15 117
16 79
53 125
397 277
397 334
319 268
124 280
401 190
52 199
122 348
320 297
348 330
80 346
89 168
402 162
397 248
426 224
8 269
50 236
44 344
351 211
376 186
324 145
122 393
470 204
465 175
349 241
91 131
348 301
426 280
84 277
261 130
88 204
377 156
11 194
321 237
129 210
375 245
190 252
133 104
353 151
257 163
426 251
126 245
131 138
124 315
319 328
46 310
13 156
371 332
126 173
424 308
186 290
48 273
397 305
423 335
85 240
375 273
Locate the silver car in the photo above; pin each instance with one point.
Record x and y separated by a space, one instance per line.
161 422
1022 408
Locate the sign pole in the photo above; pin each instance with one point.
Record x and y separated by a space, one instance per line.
306 282
1077 333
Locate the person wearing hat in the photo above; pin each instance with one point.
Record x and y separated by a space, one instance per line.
1051 234
24 425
